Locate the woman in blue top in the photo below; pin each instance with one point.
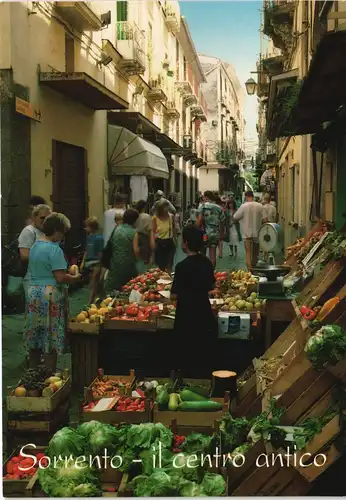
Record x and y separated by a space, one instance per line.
47 301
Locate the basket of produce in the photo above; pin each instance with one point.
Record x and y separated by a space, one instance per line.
19 469
148 282
39 390
91 317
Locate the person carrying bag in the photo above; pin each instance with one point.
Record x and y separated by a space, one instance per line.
165 231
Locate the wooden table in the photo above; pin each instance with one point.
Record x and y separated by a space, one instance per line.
278 309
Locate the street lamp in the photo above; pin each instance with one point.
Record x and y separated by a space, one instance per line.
250 86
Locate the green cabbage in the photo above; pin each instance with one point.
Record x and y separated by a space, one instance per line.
61 481
213 485
65 443
190 489
328 345
158 484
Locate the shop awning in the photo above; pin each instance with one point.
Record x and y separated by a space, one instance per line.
129 154
324 89
139 124
83 88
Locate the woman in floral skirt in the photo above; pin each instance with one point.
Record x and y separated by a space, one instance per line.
47 301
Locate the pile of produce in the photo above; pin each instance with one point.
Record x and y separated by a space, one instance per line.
138 446
121 309
127 404
95 313
106 387
327 345
37 382
228 284
190 398
147 282
238 303
20 467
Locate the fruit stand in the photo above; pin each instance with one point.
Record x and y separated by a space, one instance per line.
135 327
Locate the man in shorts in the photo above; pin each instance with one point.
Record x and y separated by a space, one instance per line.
251 216
210 217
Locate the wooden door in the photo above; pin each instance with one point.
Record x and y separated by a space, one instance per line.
70 188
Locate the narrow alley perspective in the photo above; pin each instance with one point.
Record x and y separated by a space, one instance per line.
173 245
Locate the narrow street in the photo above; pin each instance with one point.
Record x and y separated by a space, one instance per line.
127 125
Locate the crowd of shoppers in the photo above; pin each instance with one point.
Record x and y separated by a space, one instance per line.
134 240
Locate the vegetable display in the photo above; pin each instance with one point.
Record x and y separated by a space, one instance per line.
23 468
185 399
37 382
327 345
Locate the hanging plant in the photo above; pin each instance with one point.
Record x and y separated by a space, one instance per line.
170 72
165 64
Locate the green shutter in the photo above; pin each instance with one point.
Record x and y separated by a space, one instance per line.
121 17
122 10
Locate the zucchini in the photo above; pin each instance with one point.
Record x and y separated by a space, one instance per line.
207 405
199 389
173 401
188 395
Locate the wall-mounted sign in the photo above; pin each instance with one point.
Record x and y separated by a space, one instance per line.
25 108
187 141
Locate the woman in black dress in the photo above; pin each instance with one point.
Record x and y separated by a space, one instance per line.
195 327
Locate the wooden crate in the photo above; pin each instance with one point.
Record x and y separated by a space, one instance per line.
237 475
109 479
191 418
84 350
119 324
87 328
38 422
321 443
125 378
17 488
317 287
185 430
118 417
41 404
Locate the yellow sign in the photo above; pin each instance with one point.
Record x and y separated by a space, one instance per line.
25 108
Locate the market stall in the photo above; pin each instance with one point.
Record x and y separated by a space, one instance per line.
136 328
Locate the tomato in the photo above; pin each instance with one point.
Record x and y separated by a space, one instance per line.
9 467
119 310
15 460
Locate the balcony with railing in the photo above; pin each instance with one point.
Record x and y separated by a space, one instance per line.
131 46
157 92
172 15
183 85
198 110
171 110
80 15
278 23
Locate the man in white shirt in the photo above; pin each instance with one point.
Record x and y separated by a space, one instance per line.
269 211
251 215
112 217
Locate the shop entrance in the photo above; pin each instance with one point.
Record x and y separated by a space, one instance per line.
70 188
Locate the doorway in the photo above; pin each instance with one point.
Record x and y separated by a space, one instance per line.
70 188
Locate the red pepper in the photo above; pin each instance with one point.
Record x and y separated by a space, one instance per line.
304 309
310 315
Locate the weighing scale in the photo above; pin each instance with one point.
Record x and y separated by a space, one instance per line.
271 283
